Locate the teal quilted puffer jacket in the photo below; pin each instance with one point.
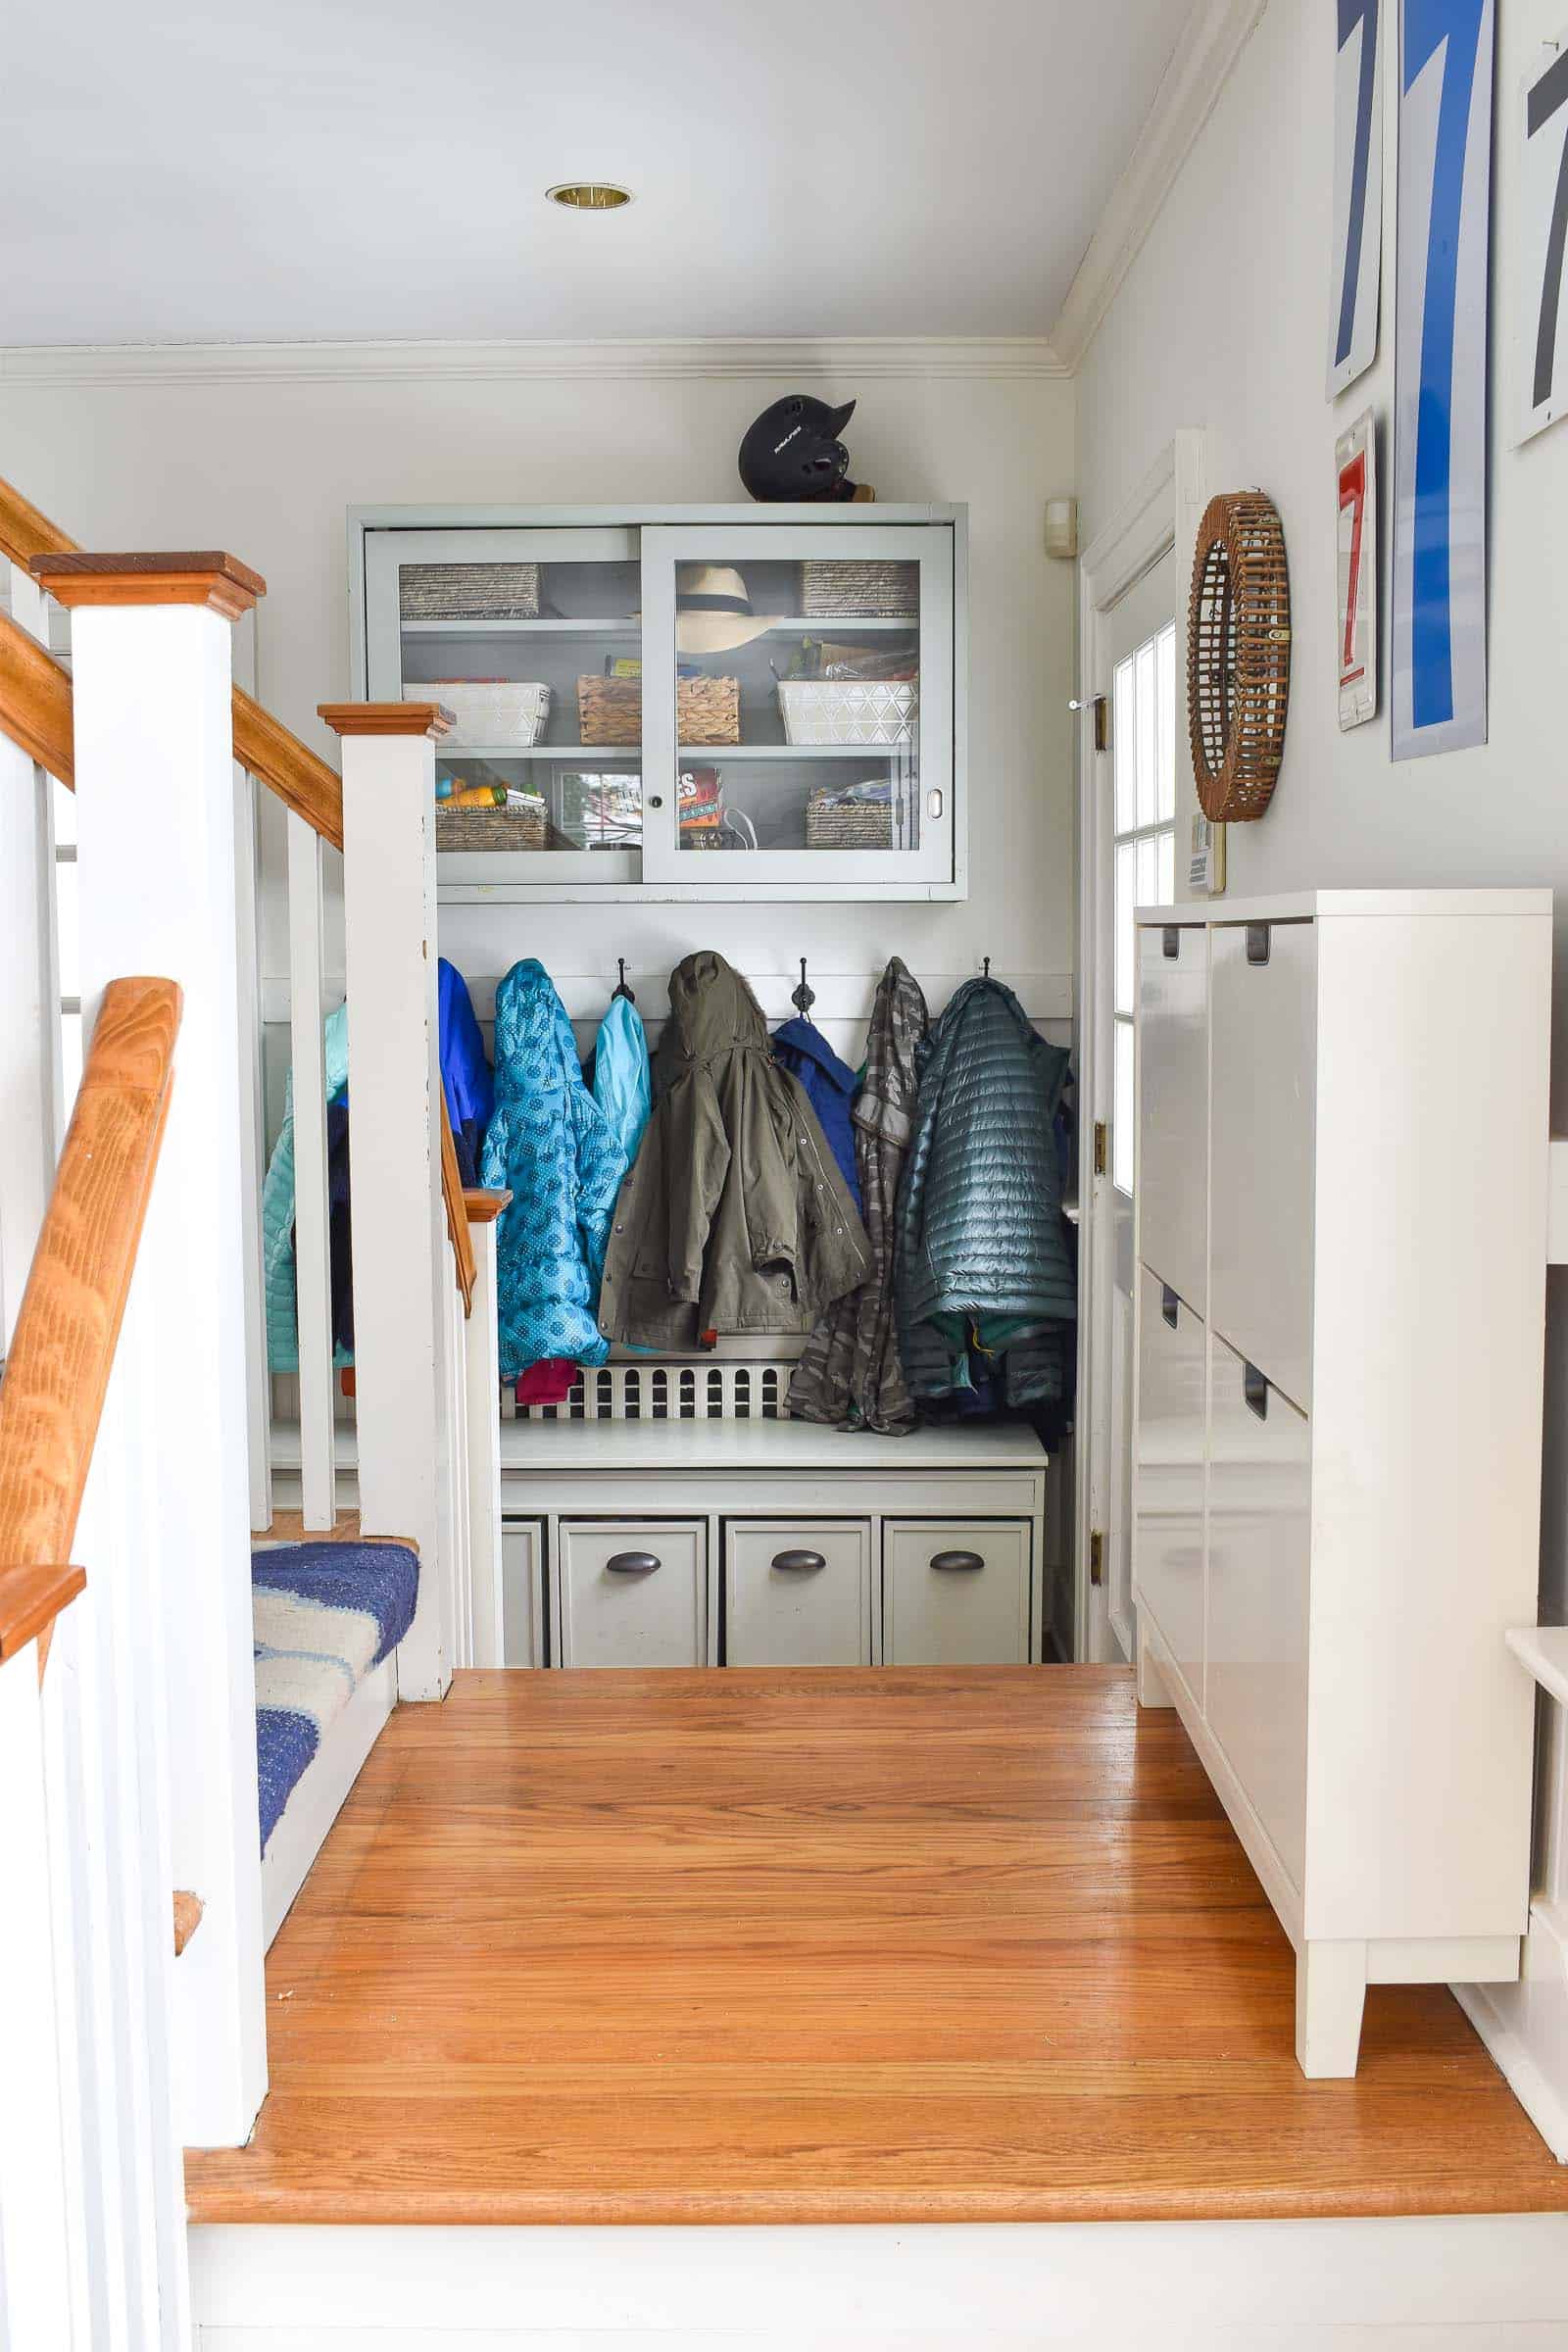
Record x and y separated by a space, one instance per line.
551 1145
981 1257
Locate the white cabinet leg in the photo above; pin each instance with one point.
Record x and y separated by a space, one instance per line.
1153 1690
1330 1995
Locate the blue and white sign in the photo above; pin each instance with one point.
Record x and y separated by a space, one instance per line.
1440 423
1540 245
1358 192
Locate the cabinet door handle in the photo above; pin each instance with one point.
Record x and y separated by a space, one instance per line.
1258 942
1254 1388
632 1563
956 1560
1169 1303
1170 946
806 1561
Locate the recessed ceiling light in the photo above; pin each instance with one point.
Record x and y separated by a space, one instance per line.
589 195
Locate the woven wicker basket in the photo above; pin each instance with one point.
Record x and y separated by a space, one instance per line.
468 591
837 590
509 828
706 709
820 711
1238 656
487 712
835 824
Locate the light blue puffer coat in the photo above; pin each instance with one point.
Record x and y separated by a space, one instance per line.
551 1145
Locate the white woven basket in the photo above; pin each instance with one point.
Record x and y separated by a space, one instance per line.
821 710
495 713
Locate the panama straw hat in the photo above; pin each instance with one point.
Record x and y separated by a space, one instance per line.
712 611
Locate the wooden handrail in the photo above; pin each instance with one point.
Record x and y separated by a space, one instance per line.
458 1232
35 702
35 694
62 1352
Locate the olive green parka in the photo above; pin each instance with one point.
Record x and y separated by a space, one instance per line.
734 1217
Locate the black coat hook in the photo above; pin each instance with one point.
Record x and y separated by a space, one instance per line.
984 969
804 998
620 989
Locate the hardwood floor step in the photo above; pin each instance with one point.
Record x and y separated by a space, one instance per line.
832 1946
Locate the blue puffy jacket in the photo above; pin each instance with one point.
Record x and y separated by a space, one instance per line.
465 1071
830 1089
551 1145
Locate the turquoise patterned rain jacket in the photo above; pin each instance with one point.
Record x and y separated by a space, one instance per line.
551 1145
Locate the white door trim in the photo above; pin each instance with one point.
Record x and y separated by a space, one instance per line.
1162 513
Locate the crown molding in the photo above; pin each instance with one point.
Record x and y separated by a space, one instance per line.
1004 358
1202 63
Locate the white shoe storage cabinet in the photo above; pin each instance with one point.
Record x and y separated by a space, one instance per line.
771 1542
1340 1204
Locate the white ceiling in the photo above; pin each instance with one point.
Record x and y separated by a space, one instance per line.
329 169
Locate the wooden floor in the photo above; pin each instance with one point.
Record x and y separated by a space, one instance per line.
930 1944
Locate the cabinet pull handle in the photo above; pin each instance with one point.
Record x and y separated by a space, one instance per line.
1170 945
806 1561
1169 1303
632 1563
956 1560
1254 1388
1258 942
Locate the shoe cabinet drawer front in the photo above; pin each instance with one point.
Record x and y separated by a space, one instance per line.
1263 985
1173 1106
955 1592
1168 1510
633 1593
1259 1550
797 1593
522 1613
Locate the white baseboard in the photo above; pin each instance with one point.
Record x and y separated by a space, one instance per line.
1525 2026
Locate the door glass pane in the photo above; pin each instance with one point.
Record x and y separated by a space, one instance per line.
1126 935
1121 1125
798 704
1165 645
1148 872
1147 751
541 666
1123 744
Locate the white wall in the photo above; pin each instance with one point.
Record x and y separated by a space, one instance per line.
267 469
1222 324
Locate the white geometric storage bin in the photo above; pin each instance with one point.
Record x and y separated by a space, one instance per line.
837 711
495 713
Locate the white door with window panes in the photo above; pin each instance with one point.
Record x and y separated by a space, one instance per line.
1136 863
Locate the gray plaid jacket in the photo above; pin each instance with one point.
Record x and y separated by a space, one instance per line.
850 1375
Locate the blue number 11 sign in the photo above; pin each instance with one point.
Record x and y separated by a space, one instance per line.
1440 424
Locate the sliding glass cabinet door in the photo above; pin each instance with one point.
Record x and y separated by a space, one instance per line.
799 714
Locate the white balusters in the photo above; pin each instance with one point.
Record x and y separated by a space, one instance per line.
481 1376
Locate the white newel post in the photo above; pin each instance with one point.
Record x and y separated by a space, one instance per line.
151 660
400 1246
482 1377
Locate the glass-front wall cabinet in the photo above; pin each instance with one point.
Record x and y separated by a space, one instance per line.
702 706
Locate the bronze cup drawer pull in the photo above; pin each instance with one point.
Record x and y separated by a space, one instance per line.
805 1561
633 1563
956 1560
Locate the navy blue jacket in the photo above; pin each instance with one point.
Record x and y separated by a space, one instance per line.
830 1088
